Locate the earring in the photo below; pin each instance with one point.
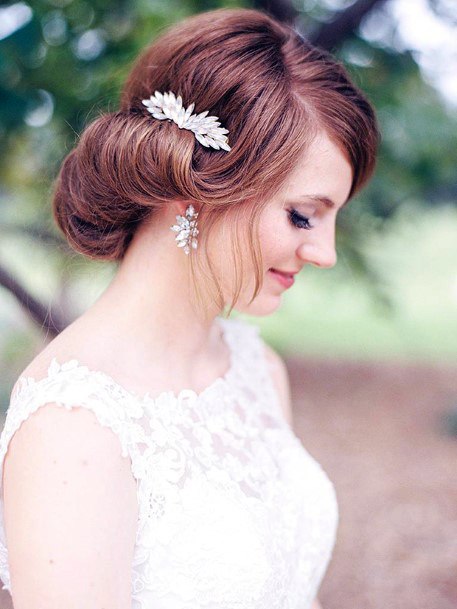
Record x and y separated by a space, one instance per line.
186 228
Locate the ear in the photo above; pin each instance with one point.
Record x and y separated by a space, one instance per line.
180 206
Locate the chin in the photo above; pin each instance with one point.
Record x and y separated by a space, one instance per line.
261 306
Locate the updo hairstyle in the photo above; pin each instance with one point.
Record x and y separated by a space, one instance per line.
269 87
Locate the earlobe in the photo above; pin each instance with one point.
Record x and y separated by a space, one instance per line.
180 206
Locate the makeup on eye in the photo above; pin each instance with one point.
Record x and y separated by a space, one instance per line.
298 220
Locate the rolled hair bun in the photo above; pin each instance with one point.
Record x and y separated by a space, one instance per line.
269 87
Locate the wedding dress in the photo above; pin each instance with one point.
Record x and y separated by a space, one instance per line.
234 513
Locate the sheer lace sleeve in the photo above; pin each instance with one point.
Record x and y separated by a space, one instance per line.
69 385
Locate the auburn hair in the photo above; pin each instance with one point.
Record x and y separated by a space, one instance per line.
271 88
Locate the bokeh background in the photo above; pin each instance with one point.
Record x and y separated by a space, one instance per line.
371 345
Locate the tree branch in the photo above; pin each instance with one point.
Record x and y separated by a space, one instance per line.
328 35
345 23
39 234
282 10
48 319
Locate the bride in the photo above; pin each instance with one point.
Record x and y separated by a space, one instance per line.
148 454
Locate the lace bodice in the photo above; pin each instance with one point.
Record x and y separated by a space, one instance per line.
234 513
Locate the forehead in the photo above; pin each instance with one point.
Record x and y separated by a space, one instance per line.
323 171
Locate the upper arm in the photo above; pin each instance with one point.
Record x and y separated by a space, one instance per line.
70 512
280 378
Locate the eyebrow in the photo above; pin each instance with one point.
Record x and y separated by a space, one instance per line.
322 198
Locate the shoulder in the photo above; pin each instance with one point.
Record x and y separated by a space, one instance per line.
64 396
59 348
40 369
68 435
36 369
75 342
58 359
280 377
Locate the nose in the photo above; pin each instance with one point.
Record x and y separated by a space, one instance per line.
320 249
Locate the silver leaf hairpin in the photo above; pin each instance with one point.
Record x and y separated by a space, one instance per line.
205 128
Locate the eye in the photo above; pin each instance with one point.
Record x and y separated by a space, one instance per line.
298 220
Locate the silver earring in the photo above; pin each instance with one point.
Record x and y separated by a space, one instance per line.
186 228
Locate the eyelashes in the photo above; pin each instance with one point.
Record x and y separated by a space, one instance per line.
298 220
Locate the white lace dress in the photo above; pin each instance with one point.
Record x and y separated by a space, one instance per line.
234 513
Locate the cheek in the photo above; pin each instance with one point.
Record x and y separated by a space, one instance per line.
275 249
273 238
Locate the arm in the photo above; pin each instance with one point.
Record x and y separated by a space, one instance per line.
70 512
281 380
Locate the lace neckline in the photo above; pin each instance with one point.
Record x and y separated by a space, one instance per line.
56 367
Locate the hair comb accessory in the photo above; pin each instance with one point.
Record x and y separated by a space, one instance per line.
205 128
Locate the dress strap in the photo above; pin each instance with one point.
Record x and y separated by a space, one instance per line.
251 369
70 384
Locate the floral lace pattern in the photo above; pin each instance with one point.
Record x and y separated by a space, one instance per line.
234 513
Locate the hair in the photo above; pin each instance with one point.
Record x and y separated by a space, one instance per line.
271 88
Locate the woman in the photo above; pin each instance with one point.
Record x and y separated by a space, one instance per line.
171 476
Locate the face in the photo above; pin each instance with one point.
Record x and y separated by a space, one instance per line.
298 226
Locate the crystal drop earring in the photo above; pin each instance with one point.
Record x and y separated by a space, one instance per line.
186 229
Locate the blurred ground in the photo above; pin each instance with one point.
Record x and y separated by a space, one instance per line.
377 430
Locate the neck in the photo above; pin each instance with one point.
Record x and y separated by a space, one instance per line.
147 313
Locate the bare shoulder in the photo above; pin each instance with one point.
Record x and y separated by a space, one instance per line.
38 367
72 343
280 378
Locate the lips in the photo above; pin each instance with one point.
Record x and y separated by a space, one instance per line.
285 279
286 273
